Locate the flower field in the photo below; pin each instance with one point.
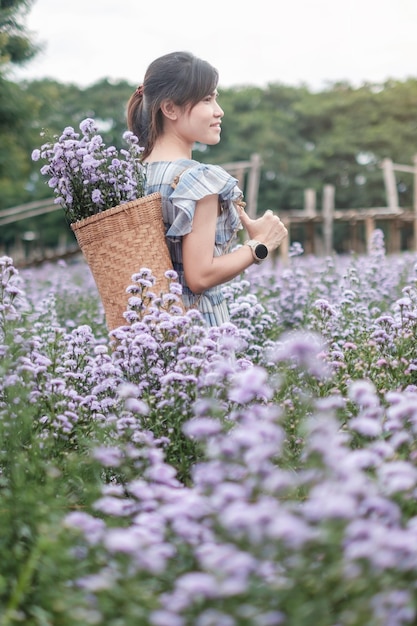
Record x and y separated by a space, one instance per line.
257 474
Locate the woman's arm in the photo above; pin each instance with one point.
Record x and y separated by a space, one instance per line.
202 270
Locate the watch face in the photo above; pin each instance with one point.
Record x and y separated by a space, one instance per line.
261 251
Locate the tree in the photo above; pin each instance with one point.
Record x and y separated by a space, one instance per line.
16 47
306 139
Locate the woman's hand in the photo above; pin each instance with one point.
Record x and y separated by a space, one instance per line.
267 229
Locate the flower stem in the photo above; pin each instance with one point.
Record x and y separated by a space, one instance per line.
22 584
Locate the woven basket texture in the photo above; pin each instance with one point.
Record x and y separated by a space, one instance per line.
117 243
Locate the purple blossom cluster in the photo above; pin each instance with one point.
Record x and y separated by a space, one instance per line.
250 537
262 472
87 176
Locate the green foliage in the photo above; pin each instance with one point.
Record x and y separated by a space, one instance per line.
16 48
305 139
15 45
41 479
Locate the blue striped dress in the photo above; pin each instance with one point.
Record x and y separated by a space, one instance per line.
179 199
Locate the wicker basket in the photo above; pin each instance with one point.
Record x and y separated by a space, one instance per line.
117 243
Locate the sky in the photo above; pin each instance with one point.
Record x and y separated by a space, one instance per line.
257 42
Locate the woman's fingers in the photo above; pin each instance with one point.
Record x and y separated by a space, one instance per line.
268 229
244 217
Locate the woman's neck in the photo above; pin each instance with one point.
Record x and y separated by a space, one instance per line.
165 149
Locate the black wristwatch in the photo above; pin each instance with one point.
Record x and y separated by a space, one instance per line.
259 250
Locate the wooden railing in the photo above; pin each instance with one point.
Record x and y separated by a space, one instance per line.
396 218
318 224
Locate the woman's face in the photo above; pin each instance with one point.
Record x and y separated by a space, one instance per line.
202 122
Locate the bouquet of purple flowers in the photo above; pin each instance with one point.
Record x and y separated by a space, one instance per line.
86 176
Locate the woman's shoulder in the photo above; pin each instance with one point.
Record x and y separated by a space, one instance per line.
190 178
209 176
204 168
184 165
153 167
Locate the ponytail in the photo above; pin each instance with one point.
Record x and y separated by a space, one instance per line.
137 119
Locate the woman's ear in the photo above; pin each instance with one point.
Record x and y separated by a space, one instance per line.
169 109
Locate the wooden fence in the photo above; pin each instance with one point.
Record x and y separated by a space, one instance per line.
318 224
320 240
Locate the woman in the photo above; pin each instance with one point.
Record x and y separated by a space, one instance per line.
174 108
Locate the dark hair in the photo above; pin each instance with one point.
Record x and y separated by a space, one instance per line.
177 76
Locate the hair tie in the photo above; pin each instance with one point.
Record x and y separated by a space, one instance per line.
139 91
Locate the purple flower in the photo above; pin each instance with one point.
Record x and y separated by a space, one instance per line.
329 501
137 406
91 527
363 393
393 607
214 617
366 426
163 473
119 507
397 476
124 540
249 385
166 618
202 427
96 196
226 559
304 350
97 582
87 126
108 456
198 584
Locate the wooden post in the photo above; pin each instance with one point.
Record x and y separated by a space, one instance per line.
369 229
284 248
253 185
309 240
415 203
396 236
310 202
240 175
328 216
390 184
310 211
353 236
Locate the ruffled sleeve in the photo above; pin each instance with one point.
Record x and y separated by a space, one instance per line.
194 184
